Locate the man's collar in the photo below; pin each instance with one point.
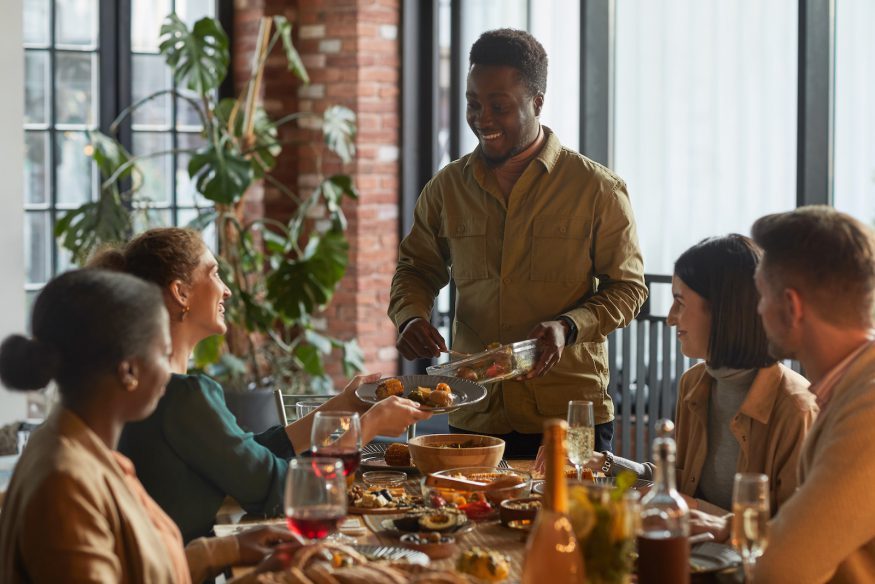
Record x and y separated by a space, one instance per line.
548 155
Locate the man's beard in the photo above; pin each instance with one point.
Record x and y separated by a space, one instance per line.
779 353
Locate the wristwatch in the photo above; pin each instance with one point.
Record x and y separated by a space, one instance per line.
609 462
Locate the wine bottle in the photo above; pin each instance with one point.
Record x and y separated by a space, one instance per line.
553 554
663 543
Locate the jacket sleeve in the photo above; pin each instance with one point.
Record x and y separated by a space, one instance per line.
204 433
618 266
276 439
208 556
67 531
793 427
832 514
423 262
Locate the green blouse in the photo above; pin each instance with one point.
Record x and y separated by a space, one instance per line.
190 454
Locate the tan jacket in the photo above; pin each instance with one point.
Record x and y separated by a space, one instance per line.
826 531
69 516
770 427
563 244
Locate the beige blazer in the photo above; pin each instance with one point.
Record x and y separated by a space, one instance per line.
69 516
769 427
825 532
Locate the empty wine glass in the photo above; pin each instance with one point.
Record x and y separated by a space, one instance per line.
581 434
750 506
338 435
315 497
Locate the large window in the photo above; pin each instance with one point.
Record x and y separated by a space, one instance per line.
854 119
704 118
68 92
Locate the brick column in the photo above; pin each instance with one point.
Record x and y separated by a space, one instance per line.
352 53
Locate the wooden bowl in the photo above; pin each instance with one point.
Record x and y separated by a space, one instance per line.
512 509
430 453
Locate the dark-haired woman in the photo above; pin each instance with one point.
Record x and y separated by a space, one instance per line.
739 410
191 453
75 509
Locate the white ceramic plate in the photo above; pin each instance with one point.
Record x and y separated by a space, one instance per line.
538 486
465 392
712 557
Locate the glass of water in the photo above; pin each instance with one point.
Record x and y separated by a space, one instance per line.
304 407
581 434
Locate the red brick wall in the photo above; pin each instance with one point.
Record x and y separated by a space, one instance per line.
352 53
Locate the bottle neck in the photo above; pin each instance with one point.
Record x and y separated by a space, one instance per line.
664 476
555 484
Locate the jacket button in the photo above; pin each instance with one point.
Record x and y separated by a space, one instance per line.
563 229
506 280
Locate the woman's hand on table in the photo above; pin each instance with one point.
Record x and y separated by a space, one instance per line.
701 522
257 543
595 463
390 417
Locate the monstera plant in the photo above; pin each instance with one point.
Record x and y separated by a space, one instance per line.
280 273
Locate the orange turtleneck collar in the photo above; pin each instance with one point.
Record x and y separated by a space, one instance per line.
509 171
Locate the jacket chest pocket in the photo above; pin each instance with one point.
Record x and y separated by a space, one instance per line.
560 249
467 241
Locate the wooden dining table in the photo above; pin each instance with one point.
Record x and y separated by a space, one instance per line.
490 534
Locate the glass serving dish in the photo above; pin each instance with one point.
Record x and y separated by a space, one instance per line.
498 364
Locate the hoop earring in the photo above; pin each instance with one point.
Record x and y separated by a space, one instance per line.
185 310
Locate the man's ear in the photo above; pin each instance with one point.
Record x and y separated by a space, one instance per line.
794 306
129 374
179 292
538 102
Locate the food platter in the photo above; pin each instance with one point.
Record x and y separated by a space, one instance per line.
465 393
373 458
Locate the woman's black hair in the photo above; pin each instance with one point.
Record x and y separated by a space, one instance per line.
721 270
84 323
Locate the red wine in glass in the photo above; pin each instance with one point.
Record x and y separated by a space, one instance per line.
351 458
315 524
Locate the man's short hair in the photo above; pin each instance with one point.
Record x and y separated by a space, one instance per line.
507 47
721 270
827 256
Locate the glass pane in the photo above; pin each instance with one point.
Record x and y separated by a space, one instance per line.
37 247
76 22
36 87
144 219
151 74
479 16
146 19
187 115
190 11
854 119
76 174
556 24
75 87
65 259
36 168
36 22
185 216
157 171
704 118
186 194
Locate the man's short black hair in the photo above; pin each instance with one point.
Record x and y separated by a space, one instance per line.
513 48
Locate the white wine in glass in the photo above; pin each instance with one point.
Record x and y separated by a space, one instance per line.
580 440
750 506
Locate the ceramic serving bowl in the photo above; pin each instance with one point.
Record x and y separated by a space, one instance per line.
437 452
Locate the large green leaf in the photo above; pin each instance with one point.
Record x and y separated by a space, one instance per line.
333 189
338 127
109 155
84 229
353 358
310 360
303 285
221 174
198 58
296 65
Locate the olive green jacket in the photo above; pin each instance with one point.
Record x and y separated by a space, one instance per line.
563 244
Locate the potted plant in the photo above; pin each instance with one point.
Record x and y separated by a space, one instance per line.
280 273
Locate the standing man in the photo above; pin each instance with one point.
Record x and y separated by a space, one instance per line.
817 288
540 242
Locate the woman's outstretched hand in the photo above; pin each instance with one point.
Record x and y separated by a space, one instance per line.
390 417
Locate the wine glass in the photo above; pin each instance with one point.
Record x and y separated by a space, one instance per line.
315 497
338 435
750 506
581 434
